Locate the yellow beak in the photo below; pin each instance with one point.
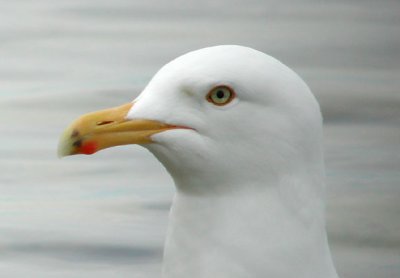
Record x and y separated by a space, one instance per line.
107 128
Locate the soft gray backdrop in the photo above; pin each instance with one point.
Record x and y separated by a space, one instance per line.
106 215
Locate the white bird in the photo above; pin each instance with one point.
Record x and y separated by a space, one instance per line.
241 135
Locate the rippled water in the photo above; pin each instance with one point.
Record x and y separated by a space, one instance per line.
105 216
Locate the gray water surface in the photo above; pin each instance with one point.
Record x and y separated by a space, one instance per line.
106 215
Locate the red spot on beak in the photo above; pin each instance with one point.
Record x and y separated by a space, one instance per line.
88 147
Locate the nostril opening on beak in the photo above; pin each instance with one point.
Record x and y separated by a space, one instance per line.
104 123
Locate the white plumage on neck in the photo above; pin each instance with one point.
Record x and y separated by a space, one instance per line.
249 176
253 234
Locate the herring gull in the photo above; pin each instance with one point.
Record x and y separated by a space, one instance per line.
241 135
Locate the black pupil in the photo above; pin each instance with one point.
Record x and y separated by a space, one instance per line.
220 94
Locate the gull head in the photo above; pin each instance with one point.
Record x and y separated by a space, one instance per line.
226 112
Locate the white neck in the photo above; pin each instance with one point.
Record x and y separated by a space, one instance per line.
260 231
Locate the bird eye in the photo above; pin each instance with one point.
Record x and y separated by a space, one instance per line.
220 95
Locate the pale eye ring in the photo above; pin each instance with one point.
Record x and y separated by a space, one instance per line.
220 95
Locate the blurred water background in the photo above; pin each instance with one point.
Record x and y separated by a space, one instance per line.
106 215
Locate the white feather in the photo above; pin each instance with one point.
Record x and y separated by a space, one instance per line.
249 177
